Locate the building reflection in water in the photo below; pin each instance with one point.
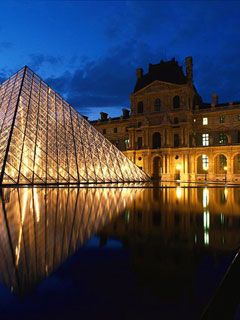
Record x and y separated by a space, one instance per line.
167 230
172 232
201 216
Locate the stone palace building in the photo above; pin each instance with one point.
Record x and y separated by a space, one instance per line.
171 133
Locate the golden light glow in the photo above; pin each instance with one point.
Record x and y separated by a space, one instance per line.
178 166
36 204
225 168
23 214
225 193
179 192
205 197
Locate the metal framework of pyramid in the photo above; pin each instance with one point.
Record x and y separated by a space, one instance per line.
43 140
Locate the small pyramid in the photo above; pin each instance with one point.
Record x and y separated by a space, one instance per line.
43 140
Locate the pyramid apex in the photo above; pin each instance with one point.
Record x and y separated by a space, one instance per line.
26 67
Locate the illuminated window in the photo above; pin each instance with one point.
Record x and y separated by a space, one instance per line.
204 162
222 119
194 120
205 139
205 121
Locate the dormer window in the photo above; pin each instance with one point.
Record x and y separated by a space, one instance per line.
157 104
176 102
140 107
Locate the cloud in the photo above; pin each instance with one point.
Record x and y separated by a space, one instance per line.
107 81
37 60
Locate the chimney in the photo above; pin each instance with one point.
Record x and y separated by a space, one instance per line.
139 73
125 113
189 69
214 99
104 116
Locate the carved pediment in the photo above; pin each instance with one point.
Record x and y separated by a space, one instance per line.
157 86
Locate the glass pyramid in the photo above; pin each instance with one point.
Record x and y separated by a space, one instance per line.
43 140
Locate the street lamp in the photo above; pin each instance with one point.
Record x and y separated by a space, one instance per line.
178 168
205 172
225 170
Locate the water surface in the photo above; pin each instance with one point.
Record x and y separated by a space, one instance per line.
115 253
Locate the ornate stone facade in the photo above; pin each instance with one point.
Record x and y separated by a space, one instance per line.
171 133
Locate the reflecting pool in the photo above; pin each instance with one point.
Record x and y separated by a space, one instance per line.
115 253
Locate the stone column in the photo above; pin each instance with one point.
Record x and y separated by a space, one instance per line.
211 172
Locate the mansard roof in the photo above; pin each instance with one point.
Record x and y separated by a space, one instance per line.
167 71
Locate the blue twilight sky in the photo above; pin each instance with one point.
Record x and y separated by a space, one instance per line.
88 51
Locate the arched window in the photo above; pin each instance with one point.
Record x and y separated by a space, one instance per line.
202 164
140 107
157 104
222 138
176 102
223 161
156 140
220 164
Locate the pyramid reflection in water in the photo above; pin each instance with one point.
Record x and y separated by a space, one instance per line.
43 140
41 228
